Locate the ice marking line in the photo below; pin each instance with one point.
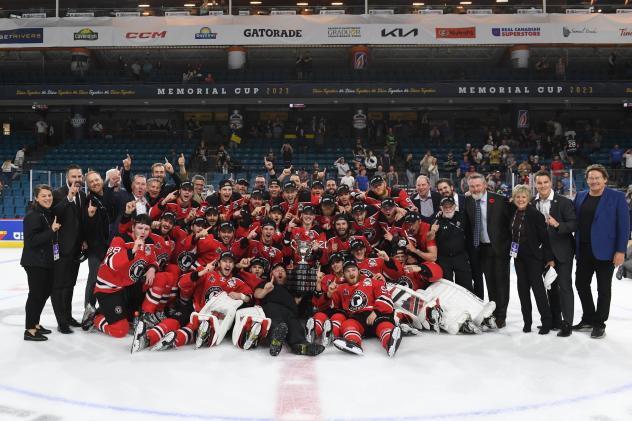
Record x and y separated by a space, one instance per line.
471 414
297 391
2 262
143 411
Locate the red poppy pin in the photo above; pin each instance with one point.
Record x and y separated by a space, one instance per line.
491 200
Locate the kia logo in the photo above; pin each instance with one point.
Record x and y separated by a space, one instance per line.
399 33
145 35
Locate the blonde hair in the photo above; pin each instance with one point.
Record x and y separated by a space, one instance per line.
521 189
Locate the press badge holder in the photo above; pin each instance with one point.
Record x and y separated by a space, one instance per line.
55 251
513 252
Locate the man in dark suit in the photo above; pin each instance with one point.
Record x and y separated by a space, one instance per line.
603 230
445 187
426 200
559 214
488 215
70 208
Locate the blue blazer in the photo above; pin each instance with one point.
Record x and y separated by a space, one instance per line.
610 229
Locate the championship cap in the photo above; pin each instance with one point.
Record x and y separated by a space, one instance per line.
327 201
289 186
358 207
349 263
225 183
226 226
200 222
388 203
448 201
318 183
187 185
227 255
356 244
275 208
211 210
307 209
343 189
170 216
377 179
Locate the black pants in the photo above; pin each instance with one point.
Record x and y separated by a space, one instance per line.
40 286
94 262
561 298
496 270
587 264
280 314
457 268
529 272
65 272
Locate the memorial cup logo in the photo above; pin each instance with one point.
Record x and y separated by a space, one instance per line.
77 121
137 270
236 120
358 301
212 292
359 120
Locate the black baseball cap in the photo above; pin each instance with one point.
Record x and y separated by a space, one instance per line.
276 265
308 209
211 209
447 201
343 188
356 244
225 183
275 182
289 186
412 217
275 208
187 185
358 207
256 192
267 222
226 226
336 257
259 261
200 222
170 216
388 203
343 216
227 255
327 201
243 182
377 179
318 183
349 263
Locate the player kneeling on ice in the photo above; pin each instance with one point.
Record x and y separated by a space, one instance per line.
216 297
426 301
325 323
280 305
369 308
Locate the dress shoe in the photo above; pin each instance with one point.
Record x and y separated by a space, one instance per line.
65 329
72 322
598 332
526 328
544 330
37 337
582 325
565 330
500 322
43 330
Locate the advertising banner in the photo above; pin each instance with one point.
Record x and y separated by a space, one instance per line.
11 233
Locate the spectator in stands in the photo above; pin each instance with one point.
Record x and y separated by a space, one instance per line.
489 146
433 171
342 166
560 69
615 157
222 157
199 183
380 172
495 156
627 156
348 179
409 166
362 181
136 70
287 153
557 167
40 226
370 162
524 169
19 158
147 69
612 64
307 66
450 165
42 131
542 67
435 135
209 78
425 162
299 67
392 178
391 142
7 171
97 129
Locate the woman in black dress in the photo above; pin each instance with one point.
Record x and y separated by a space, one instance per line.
40 249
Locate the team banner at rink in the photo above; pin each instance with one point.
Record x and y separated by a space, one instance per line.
246 91
317 30
11 233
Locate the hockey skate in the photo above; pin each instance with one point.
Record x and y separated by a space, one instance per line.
620 272
307 349
310 325
150 320
87 321
252 336
489 323
348 346
140 341
394 341
160 315
328 333
434 316
205 333
469 327
167 342
277 337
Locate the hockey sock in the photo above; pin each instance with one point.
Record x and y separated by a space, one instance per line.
157 332
336 322
319 319
352 331
118 329
383 332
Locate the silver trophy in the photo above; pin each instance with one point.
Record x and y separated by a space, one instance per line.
304 249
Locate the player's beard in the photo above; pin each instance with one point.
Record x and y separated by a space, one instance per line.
477 196
448 215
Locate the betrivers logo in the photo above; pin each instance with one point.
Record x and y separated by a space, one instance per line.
86 34
566 31
518 31
400 32
206 33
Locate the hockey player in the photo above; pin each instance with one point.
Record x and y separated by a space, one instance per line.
225 200
364 225
307 231
369 309
180 203
325 323
264 247
381 266
282 308
129 261
340 243
421 241
379 191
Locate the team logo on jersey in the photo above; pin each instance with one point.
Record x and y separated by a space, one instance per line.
369 233
137 270
372 263
162 260
212 292
366 273
367 283
358 301
405 281
185 260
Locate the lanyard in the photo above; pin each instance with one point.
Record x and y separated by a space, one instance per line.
513 223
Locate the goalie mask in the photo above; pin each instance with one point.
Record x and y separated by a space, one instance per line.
431 271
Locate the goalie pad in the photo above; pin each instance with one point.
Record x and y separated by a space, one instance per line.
244 319
410 306
455 298
223 308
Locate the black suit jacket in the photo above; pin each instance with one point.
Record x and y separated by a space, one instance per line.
436 200
498 213
536 243
38 238
72 220
561 238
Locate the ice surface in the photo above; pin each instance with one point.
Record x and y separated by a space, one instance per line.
501 375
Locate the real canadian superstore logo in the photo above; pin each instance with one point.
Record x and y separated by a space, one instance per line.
518 31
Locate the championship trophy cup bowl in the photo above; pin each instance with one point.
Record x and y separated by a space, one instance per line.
304 249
